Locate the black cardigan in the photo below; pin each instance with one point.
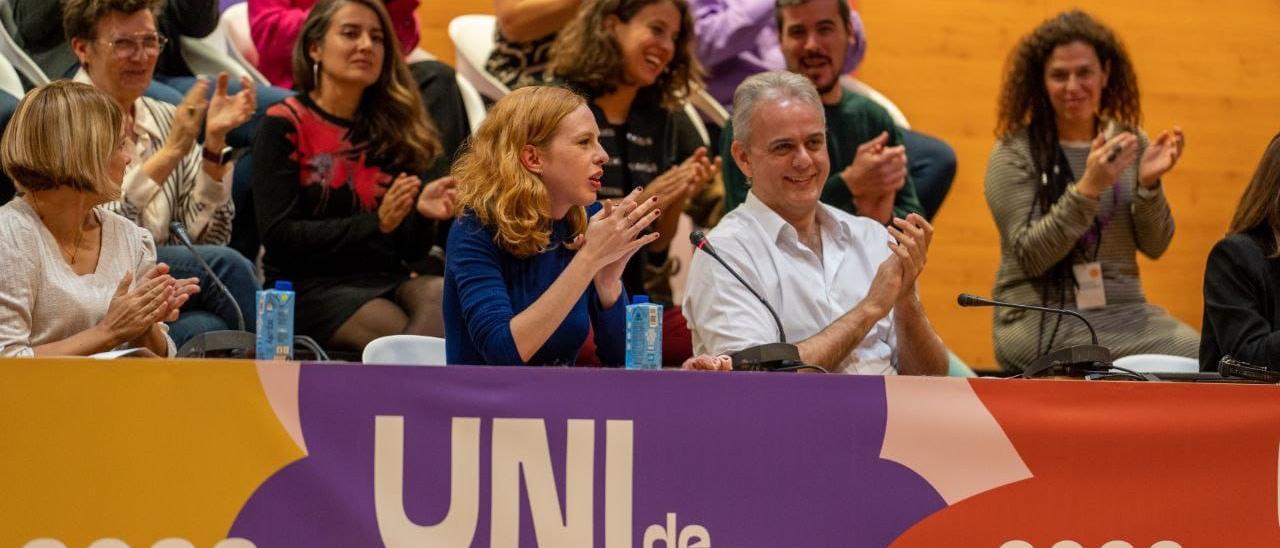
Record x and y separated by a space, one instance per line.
1241 302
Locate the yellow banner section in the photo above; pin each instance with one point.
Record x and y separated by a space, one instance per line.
137 450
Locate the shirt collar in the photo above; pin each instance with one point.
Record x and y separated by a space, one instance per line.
775 226
143 124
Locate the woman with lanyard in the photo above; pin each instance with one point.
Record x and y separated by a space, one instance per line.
1075 193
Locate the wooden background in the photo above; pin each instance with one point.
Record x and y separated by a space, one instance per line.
1213 69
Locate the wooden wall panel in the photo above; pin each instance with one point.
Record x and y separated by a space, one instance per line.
1213 70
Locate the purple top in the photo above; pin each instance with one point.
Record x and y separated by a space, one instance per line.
738 38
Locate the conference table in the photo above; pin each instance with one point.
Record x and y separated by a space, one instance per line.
231 454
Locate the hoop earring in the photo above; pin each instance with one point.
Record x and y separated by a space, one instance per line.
315 74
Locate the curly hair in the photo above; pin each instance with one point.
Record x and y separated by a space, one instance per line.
496 187
1024 100
391 117
587 56
1025 105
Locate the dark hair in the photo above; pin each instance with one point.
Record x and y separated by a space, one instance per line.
1259 207
1025 106
586 55
1024 101
80 17
842 6
390 118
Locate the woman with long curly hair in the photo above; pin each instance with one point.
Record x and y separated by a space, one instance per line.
1076 191
337 178
635 62
527 273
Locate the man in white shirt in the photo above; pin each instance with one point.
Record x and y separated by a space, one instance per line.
844 286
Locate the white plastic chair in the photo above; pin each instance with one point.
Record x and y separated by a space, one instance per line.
471 101
405 350
710 108
9 81
861 88
217 52
472 37
696 119
1158 363
234 23
20 61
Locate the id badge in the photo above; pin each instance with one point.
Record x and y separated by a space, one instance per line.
1089 290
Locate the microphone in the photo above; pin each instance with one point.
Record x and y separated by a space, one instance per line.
967 299
237 342
700 242
765 357
1073 360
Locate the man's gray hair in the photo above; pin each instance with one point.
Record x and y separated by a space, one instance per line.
770 86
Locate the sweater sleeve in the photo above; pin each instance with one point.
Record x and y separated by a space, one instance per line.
406 23
735 182
1234 282
194 18
726 28
18 272
274 26
1152 218
610 327
1010 189
474 262
906 201
286 229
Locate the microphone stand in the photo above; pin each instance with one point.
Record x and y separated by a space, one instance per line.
779 356
234 344
1073 361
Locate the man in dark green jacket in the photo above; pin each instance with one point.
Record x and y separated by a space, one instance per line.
869 164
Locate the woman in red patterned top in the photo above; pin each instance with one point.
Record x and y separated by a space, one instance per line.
338 182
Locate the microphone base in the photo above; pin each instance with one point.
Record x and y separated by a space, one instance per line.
220 344
1072 361
766 357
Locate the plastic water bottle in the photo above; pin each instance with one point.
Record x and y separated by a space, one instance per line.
644 334
275 322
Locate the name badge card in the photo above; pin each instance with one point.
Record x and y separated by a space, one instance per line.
1089 290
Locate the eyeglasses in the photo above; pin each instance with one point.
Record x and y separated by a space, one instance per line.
125 47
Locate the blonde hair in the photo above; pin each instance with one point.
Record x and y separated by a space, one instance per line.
63 134
493 184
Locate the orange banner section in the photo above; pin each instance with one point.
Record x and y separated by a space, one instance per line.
79 435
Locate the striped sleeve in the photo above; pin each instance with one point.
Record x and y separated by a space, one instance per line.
1037 241
195 198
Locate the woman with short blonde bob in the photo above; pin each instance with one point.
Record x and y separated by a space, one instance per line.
74 278
527 271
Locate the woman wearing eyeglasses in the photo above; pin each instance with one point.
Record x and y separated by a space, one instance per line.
171 176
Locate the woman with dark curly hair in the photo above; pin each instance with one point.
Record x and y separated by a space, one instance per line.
1075 190
634 60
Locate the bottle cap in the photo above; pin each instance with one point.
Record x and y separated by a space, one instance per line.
284 285
639 299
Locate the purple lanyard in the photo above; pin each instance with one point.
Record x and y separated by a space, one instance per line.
1093 237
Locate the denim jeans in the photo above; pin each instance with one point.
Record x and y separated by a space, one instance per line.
210 310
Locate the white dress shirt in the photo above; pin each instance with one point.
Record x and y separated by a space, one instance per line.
808 292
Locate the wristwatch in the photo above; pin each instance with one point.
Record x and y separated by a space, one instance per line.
219 158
